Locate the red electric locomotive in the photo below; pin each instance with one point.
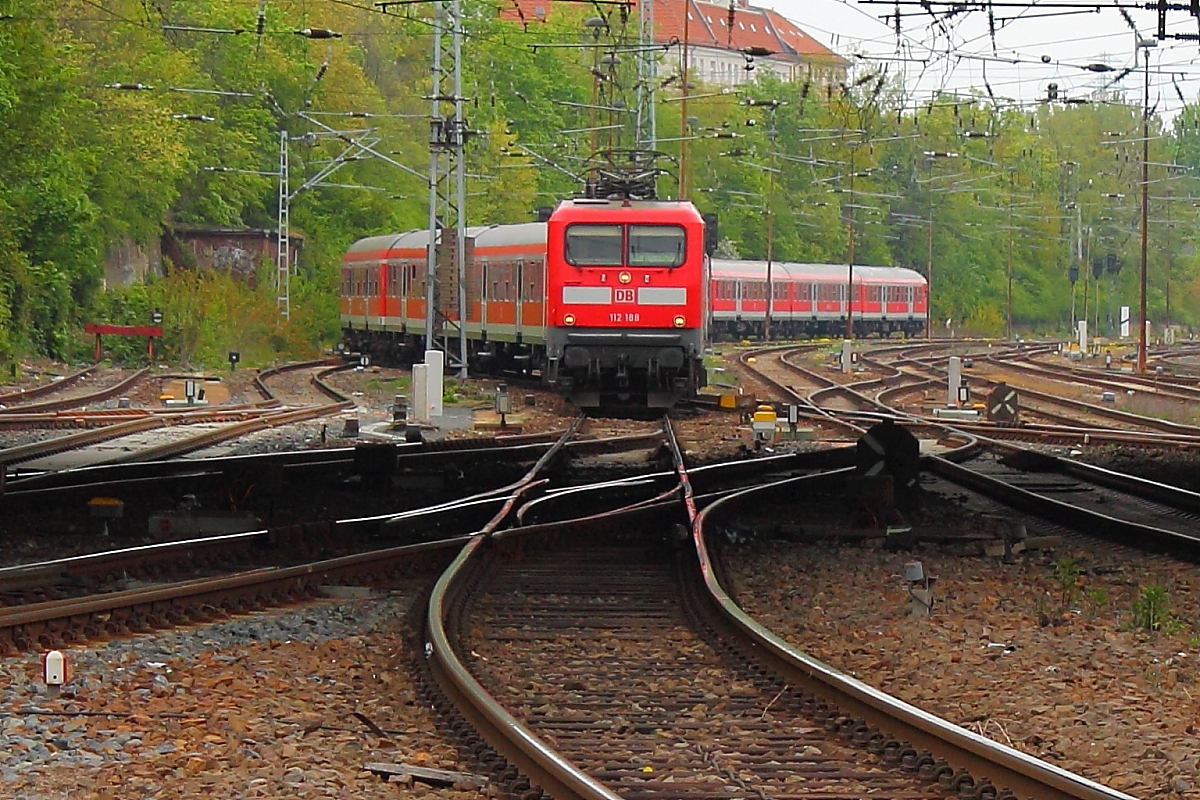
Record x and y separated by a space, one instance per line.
625 286
606 301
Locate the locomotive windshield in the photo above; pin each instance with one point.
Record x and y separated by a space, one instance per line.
656 245
645 246
594 245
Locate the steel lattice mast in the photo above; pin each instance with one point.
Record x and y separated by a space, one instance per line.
646 135
283 255
447 179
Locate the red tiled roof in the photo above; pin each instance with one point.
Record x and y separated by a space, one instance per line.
708 26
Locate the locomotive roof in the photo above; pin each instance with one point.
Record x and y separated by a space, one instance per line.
784 270
597 210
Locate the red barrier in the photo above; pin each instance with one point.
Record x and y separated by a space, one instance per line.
149 331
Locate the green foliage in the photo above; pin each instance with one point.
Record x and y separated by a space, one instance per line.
1151 611
205 315
1097 601
1066 575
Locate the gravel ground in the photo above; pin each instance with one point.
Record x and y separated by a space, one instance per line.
1039 652
256 706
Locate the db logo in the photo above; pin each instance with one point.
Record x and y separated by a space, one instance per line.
624 295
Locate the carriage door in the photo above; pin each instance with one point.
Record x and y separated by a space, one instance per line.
484 295
520 295
737 297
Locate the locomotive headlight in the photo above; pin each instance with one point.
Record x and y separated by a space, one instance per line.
679 321
624 277
568 319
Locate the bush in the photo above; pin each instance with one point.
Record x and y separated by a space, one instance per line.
1151 611
207 314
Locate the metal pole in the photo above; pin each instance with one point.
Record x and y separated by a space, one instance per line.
1170 258
850 258
770 241
435 140
647 129
683 106
1141 358
1078 255
1087 271
929 269
460 191
1008 269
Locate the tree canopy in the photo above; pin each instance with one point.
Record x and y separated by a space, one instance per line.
120 117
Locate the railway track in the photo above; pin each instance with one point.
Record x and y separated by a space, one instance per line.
24 407
57 622
218 424
650 683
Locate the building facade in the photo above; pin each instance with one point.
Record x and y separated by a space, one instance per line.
718 36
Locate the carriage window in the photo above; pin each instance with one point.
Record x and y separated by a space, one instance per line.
656 245
593 245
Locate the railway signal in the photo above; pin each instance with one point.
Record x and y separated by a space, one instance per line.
1003 405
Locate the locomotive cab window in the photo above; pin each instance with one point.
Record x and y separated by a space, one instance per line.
593 245
656 245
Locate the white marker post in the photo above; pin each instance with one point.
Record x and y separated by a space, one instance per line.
1083 338
847 355
953 382
54 671
435 360
420 389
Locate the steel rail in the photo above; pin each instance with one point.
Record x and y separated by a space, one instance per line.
61 444
265 421
82 400
541 763
984 759
51 623
1100 411
471 513
1085 520
21 395
1158 386
104 473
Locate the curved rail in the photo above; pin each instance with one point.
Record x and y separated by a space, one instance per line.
22 395
82 400
1003 766
538 761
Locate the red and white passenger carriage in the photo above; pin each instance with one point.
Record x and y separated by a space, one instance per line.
810 299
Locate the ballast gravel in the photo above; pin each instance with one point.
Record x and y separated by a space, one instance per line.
1044 652
254 706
